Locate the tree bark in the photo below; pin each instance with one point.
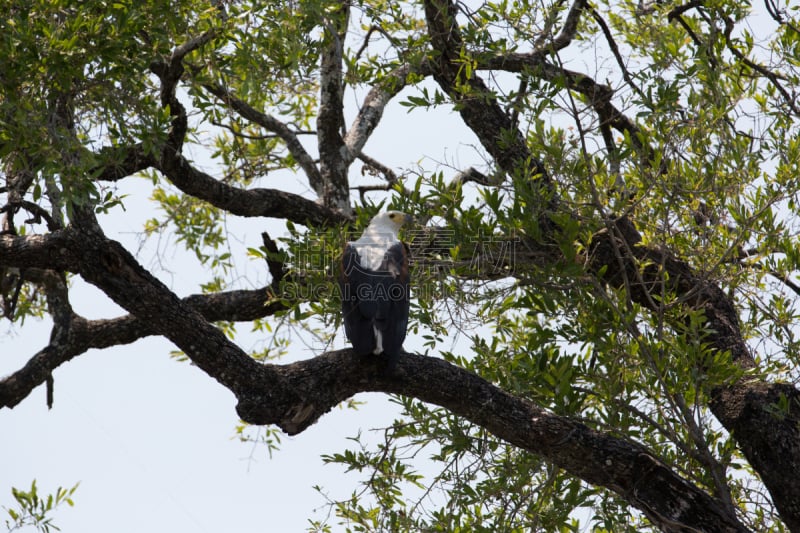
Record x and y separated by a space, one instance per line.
334 189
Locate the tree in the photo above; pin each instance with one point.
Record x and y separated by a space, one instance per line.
629 238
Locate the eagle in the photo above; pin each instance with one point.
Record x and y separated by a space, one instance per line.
374 285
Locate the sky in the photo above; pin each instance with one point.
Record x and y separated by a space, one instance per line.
152 440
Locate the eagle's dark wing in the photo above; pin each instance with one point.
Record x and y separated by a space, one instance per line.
393 304
358 315
376 302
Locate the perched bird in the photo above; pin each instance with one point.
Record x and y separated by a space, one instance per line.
374 284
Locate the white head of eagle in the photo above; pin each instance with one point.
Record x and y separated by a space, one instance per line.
374 284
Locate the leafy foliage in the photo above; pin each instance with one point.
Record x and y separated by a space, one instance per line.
678 117
34 509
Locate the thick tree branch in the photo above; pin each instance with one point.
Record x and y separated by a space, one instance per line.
646 271
83 249
296 395
249 203
112 269
257 202
624 467
50 251
334 190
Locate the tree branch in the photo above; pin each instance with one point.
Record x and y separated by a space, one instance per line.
249 203
598 95
473 99
789 99
374 103
38 369
241 305
277 127
112 269
169 71
624 467
122 161
612 44
569 29
37 212
334 190
780 15
374 167
51 251
770 443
